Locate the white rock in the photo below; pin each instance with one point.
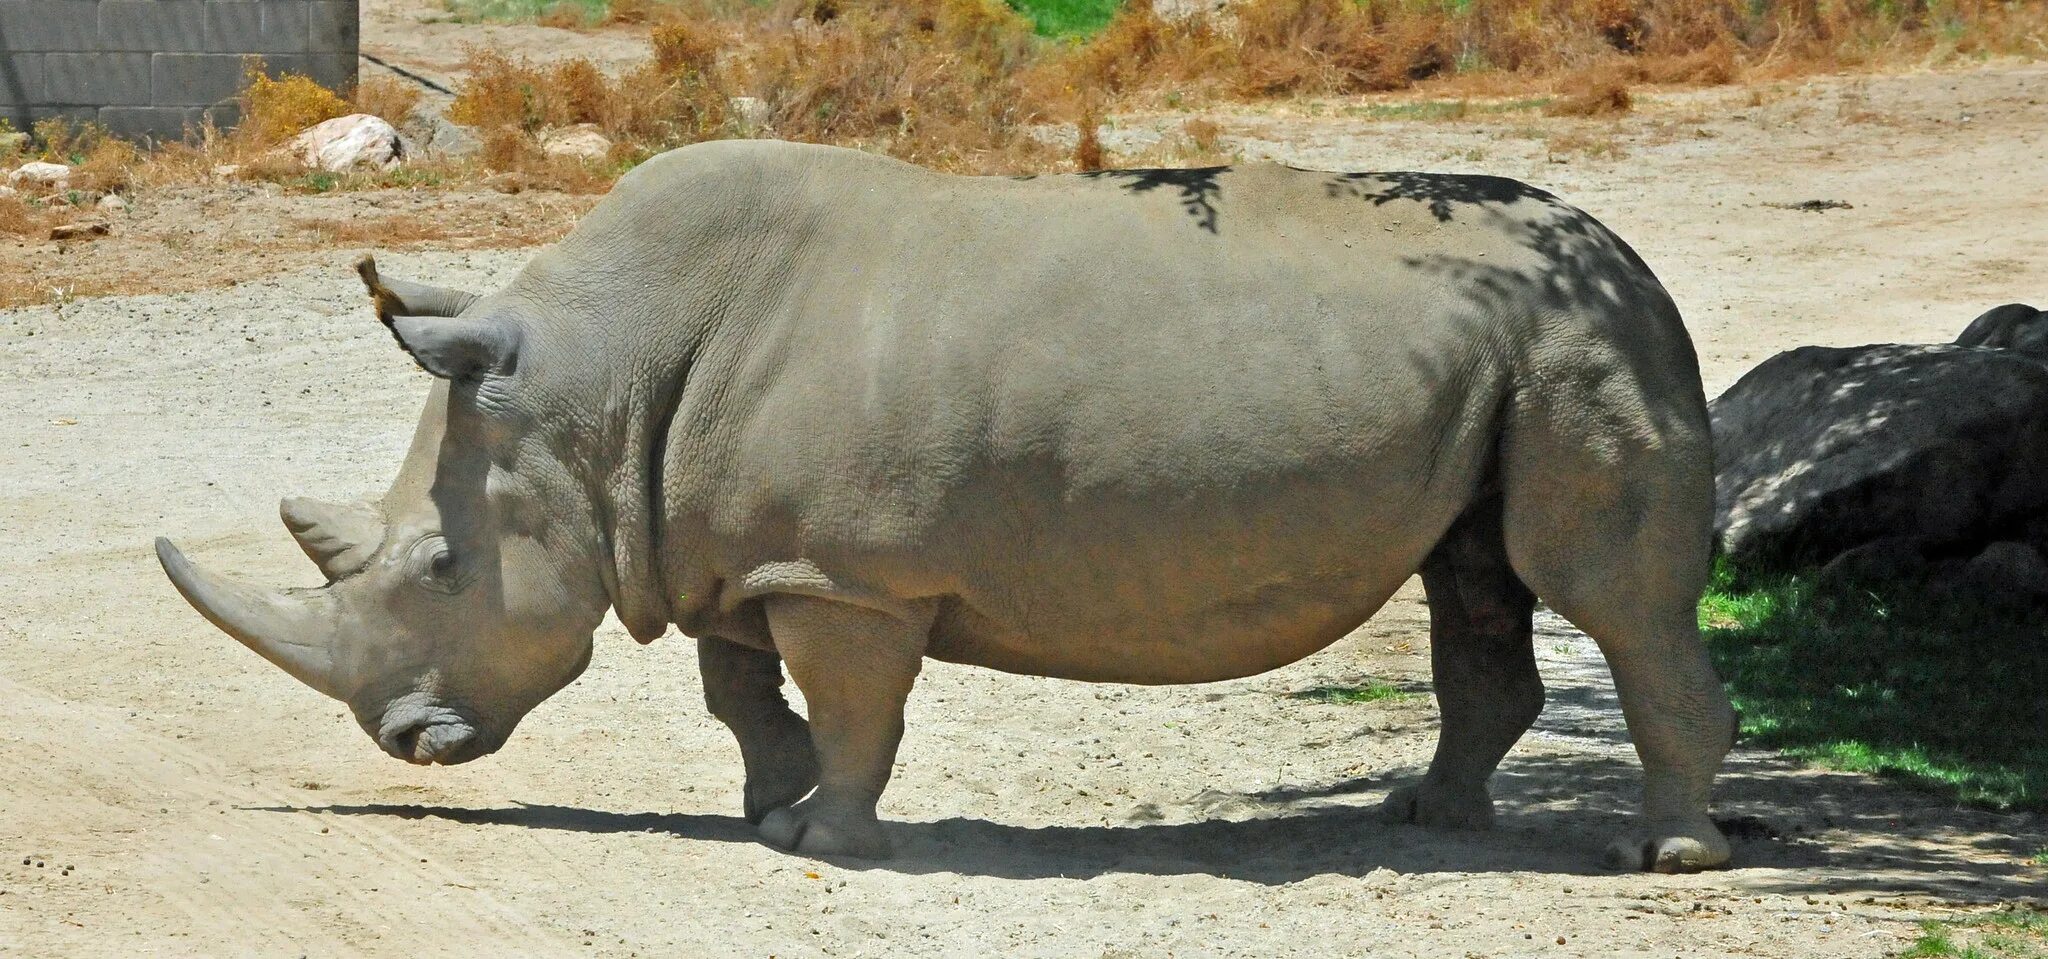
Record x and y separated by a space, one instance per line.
39 173
112 203
752 111
227 170
8 191
582 141
346 143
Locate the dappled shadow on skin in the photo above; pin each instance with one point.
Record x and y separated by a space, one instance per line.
1197 187
1442 193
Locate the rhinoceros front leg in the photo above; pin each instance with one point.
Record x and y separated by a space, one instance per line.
855 666
1484 662
743 688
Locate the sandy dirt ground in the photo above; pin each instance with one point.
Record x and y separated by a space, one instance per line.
164 792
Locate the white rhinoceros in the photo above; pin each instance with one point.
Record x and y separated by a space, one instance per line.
835 413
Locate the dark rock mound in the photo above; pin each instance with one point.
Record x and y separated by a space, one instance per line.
1821 450
2014 326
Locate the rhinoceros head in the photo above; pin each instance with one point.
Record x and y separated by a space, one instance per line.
466 595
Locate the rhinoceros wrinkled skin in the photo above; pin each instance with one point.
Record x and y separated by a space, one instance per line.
833 413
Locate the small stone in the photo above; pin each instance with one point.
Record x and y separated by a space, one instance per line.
88 230
582 141
752 111
346 143
40 173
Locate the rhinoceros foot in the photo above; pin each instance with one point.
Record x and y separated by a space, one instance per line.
1669 847
1440 806
780 770
825 825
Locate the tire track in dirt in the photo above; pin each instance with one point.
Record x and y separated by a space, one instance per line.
220 876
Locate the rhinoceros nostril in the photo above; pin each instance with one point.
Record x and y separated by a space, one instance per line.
403 742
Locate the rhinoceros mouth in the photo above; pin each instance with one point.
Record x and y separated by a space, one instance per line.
430 735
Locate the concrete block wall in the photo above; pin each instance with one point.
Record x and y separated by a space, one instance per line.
152 68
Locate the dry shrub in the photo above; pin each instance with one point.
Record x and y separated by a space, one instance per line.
1267 48
499 95
275 109
17 218
270 166
66 141
1602 91
685 47
11 144
1599 145
1087 144
109 167
1334 46
1137 49
930 81
388 231
390 98
671 99
1712 65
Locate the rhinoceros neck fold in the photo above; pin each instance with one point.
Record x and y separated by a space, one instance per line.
681 262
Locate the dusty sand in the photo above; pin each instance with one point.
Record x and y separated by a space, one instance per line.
164 792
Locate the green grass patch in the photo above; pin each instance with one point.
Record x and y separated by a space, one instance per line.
1934 692
1374 691
2009 934
1067 18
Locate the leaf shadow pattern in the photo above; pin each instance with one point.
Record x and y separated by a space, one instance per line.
1441 193
1199 189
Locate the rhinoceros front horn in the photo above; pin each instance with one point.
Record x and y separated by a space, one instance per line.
286 628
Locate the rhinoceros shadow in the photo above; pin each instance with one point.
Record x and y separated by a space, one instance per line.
1794 829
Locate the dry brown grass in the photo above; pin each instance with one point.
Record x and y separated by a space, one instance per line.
275 109
1267 48
19 218
931 81
963 85
1598 92
389 98
1088 144
387 231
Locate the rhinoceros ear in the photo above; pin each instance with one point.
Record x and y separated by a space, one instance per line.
400 298
458 349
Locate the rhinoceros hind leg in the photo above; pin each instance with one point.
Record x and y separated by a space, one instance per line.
743 687
855 666
1609 520
1484 663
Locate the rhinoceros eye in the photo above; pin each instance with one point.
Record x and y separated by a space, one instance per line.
437 566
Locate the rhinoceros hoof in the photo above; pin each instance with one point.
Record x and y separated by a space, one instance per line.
1670 848
813 828
781 783
1440 807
